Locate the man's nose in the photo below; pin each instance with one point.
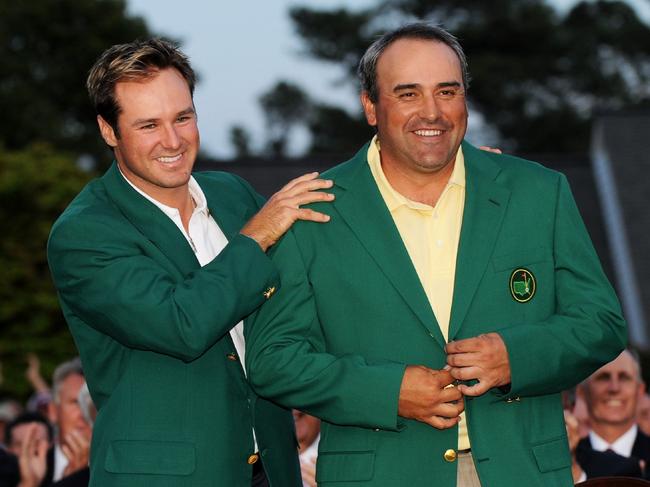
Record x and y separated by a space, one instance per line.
614 384
170 138
429 109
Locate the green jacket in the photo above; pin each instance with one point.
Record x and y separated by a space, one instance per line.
351 314
152 328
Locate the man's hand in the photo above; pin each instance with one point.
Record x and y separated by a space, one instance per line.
76 447
283 209
32 460
429 396
483 358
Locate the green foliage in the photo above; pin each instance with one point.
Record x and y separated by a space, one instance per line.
36 184
284 105
538 76
337 131
47 48
240 140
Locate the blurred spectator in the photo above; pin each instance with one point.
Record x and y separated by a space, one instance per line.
581 413
9 410
308 434
29 437
16 431
615 446
81 477
72 443
42 396
643 414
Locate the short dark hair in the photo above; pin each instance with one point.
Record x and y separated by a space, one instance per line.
367 70
134 61
26 418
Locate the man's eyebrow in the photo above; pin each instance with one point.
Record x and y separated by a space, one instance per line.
187 111
449 84
414 86
145 121
406 86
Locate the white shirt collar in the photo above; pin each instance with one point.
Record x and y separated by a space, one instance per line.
60 462
195 191
623 445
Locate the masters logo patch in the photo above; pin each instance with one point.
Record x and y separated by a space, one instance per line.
522 285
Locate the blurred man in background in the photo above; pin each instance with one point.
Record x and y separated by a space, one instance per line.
72 442
615 446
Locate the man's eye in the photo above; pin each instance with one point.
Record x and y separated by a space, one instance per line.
450 93
407 94
183 118
149 126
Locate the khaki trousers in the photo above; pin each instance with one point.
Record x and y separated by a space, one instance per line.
467 476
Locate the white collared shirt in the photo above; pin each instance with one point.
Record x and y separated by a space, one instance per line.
60 463
622 446
310 455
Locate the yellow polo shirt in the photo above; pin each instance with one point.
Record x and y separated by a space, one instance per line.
431 235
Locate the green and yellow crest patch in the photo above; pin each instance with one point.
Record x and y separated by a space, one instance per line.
522 285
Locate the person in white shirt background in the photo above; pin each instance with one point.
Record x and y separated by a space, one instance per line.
615 444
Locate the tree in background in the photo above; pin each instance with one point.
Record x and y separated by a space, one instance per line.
538 76
284 105
36 184
240 140
47 48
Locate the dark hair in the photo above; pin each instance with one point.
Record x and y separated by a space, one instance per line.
367 70
26 418
134 61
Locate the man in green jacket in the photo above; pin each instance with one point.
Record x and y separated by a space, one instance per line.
155 271
440 260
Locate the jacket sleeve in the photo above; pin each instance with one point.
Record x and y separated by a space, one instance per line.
104 278
287 362
587 329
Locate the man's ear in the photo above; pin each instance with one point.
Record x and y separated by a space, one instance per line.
368 109
108 134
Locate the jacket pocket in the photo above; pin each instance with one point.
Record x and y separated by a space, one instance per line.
150 457
552 455
345 466
521 258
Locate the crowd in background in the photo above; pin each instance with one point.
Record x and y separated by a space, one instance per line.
46 441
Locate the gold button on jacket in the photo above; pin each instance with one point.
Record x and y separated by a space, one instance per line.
450 455
253 458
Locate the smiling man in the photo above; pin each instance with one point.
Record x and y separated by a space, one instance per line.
448 278
612 394
156 268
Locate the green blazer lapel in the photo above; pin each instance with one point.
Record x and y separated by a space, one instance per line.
229 219
363 209
152 223
485 205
